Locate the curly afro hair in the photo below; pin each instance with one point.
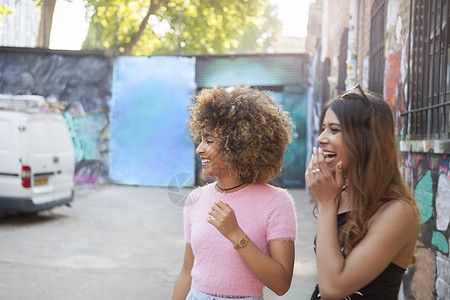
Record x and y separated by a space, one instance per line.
251 129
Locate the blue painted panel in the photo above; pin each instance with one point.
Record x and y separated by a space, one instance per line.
294 165
254 70
150 142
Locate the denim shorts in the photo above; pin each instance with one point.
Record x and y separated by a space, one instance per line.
195 294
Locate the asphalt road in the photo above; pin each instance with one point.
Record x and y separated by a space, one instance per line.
116 242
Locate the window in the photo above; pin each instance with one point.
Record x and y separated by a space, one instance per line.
428 102
376 64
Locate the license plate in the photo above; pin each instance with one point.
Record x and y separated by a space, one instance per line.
40 181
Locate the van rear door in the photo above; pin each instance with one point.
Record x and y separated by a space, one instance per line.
38 154
63 159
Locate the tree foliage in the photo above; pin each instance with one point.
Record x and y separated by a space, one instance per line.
149 27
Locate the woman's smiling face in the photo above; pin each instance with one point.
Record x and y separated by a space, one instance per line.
213 163
332 142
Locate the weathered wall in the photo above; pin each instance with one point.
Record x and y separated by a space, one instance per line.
83 80
424 164
428 175
150 141
283 74
363 43
338 20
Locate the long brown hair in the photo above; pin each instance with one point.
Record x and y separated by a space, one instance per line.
374 178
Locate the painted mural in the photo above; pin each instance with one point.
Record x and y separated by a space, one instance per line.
428 175
90 136
424 163
285 76
397 68
295 102
150 142
425 166
80 80
294 165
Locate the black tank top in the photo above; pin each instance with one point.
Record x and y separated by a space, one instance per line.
385 287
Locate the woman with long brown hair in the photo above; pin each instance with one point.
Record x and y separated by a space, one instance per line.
355 181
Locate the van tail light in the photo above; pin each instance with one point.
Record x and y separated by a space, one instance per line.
26 176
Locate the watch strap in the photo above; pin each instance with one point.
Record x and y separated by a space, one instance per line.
241 243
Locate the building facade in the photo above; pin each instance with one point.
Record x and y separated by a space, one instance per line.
400 49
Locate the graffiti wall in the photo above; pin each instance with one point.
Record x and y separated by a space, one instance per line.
396 81
425 165
428 175
150 142
80 79
295 158
140 137
285 76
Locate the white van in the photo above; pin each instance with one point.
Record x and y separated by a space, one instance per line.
37 161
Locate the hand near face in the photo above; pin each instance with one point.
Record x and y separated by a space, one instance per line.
323 186
222 217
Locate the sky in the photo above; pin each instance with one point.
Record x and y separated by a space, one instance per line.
69 27
294 15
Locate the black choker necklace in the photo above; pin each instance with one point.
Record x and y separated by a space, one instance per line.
224 190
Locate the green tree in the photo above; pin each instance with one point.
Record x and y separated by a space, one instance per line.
149 27
260 38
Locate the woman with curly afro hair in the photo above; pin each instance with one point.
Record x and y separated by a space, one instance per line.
368 221
239 230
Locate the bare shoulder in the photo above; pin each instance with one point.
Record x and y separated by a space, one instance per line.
396 213
400 207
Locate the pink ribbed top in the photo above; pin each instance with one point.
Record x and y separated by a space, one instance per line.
263 211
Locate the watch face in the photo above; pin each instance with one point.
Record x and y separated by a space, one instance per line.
241 243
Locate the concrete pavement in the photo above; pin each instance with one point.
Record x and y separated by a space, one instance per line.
116 242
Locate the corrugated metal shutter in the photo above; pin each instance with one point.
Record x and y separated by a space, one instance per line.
254 70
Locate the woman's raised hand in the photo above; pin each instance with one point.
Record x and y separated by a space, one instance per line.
222 217
323 186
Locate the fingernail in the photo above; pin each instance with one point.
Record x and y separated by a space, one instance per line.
340 165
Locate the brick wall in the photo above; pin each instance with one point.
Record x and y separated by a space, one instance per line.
314 26
337 22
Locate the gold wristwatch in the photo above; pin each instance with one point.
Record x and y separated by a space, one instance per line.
241 243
